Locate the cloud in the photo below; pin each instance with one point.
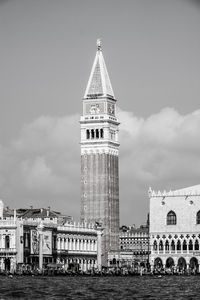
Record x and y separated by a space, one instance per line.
41 166
161 151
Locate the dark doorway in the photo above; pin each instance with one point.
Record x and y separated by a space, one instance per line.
169 263
158 263
182 263
194 264
7 264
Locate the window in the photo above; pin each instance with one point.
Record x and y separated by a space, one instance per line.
172 246
196 245
101 133
97 133
7 242
171 218
184 245
190 245
92 133
87 134
198 217
161 246
167 246
178 245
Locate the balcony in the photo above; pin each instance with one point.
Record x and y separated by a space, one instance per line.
8 250
8 224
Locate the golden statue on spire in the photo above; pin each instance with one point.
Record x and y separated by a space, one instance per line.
98 44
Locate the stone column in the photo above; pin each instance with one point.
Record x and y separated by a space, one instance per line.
40 232
66 244
58 243
70 244
78 244
99 234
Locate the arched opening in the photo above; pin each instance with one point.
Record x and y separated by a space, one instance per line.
158 263
190 245
184 245
172 246
101 133
171 218
87 134
155 246
92 133
169 263
194 266
196 245
97 133
178 245
167 245
114 261
182 263
161 246
198 217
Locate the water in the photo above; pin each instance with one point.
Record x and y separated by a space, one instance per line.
75 288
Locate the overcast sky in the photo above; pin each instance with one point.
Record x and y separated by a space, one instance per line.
47 47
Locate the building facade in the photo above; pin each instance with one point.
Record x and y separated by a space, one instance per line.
134 247
79 246
11 240
175 229
53 239
99 156
33 239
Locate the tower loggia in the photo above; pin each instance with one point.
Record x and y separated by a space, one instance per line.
99 155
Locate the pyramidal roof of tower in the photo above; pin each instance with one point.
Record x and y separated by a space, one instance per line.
99 82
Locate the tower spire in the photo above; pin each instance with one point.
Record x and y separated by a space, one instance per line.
99 84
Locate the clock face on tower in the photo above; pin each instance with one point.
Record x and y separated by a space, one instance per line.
94 108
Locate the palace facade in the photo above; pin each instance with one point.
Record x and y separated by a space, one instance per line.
175 229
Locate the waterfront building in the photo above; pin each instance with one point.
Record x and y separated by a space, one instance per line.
99 156
31 239
175 229
11 240
64 242
79 246
134 247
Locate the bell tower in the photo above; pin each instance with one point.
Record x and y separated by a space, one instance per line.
99 155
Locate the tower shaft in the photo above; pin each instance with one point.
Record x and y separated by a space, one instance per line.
99 156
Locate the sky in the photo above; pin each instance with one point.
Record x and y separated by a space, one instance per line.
151 49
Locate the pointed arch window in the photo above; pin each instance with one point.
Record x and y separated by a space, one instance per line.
198 217
167 245
196 245
184 245
178 245
171 218
161 246
172 245
190 245
155 246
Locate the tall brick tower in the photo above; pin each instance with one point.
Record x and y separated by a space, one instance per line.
99 155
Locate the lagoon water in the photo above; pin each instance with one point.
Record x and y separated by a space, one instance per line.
75 288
